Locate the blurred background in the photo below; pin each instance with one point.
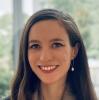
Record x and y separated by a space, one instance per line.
15 13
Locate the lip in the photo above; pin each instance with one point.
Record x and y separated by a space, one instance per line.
48 68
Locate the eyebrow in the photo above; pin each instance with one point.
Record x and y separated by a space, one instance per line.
34 41
53 40
56 39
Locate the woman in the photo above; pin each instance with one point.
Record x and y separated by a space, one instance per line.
52 60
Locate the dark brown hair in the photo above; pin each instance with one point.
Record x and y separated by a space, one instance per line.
79 80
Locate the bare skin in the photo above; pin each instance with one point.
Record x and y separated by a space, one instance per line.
53 91
49 45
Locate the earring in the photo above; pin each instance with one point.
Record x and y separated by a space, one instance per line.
72 66
72 69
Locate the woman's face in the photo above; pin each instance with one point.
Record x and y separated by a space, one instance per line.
49 51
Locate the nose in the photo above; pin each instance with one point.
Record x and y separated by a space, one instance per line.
46 55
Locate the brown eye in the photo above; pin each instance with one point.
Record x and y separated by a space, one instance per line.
57 45
35 46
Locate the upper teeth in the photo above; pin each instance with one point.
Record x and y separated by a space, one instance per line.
48 68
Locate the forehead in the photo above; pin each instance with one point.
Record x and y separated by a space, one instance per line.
47 29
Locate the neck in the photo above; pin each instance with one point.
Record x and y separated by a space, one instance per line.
53 91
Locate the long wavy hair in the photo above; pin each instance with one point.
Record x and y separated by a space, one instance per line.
25 82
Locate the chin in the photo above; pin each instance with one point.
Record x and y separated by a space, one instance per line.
48 82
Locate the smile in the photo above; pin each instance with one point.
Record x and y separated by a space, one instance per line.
49 68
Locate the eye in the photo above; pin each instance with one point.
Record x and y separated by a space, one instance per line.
57 45
34 46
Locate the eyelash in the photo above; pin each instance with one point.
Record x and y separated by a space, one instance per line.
54 45
57 45
35 46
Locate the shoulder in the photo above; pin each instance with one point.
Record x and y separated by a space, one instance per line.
7 98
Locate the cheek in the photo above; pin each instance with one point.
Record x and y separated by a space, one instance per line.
65 59
32 62
64 56
32 59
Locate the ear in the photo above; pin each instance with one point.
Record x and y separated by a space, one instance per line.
74 51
